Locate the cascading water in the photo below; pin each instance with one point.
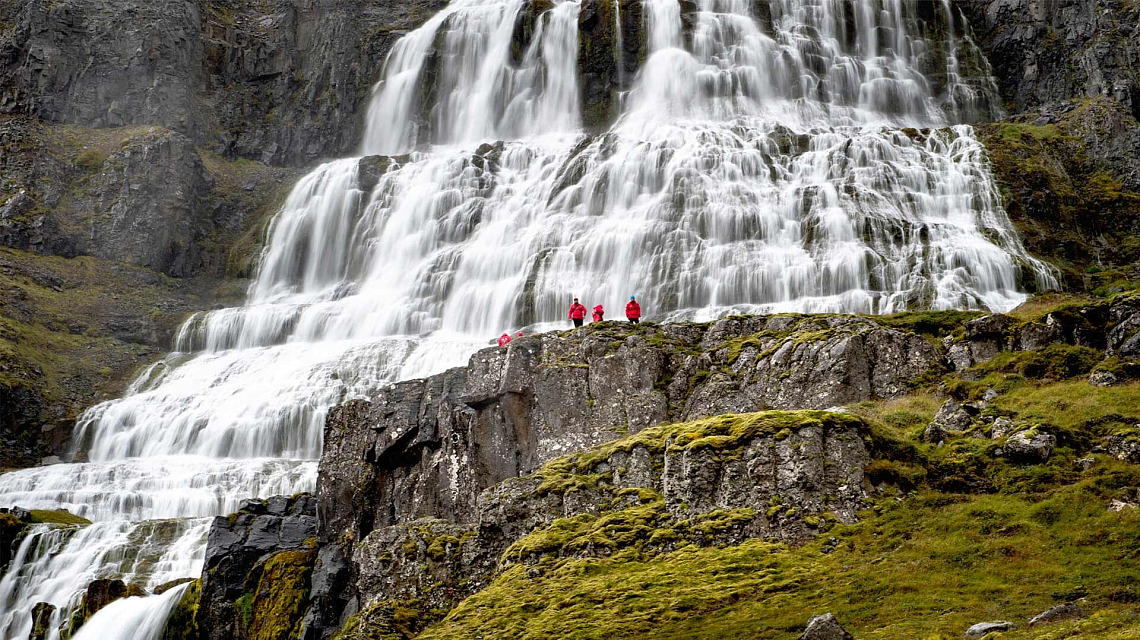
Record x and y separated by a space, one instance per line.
793 155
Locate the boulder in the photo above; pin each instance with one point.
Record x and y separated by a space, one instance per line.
825 627
1123 447
981 629
1030 446
1067 611
1001 428
952 417
1117 506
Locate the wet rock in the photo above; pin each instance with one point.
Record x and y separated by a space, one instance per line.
1067 611
824 627
101 593
981 629
239 548
41 621
1029 446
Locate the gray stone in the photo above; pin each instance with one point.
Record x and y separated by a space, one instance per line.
1029 446
1067 611
1001 428
952 417
1123 447
1119 505
982 628
1084 464
825 627
1103 378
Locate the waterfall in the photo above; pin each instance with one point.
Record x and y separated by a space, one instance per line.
788 155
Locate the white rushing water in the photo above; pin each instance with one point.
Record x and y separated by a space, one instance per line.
794 155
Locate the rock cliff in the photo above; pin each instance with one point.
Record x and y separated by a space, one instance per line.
283 82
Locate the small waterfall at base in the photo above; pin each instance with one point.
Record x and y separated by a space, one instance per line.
781 155
131 618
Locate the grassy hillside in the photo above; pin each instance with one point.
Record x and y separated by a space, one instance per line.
922 563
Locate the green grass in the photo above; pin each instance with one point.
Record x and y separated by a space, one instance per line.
927 567
981 539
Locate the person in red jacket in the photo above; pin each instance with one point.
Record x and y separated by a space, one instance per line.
577 312
599 313
633 310
504 340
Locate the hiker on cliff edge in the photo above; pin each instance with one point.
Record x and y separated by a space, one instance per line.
577 312
633 310
505 339
599 313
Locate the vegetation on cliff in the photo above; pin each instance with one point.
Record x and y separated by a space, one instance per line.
921 564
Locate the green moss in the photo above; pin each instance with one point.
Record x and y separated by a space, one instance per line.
57 517
1054 362
389 620
928 567
933 325
182 624
273 611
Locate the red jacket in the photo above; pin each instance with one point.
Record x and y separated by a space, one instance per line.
632 309
577 311
504 339
599 313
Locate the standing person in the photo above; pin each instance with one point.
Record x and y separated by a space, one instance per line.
577 312
633 310
505 339
599 313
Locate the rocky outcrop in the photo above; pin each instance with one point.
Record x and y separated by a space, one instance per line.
781 475
407 477
429 447
1111 326
255 578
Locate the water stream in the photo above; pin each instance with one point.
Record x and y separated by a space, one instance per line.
794 155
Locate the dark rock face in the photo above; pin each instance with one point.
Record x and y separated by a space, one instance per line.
284 82
1049 51
148 195
265 536
104 64
430 446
